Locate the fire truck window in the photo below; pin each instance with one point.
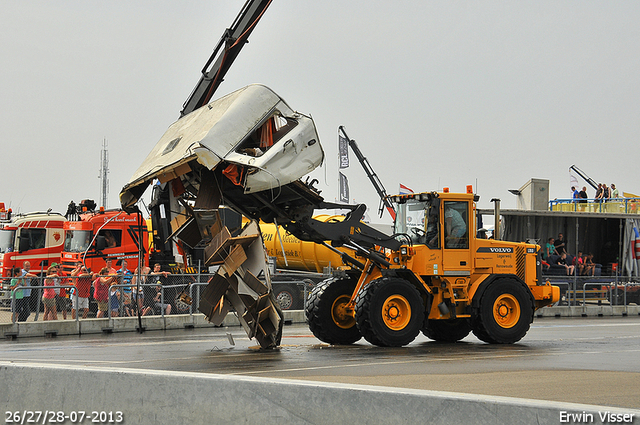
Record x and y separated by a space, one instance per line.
113 238
6 240
36 237
77 240
455 225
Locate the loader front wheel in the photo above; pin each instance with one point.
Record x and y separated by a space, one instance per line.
504 313
389 312
452 330
327 313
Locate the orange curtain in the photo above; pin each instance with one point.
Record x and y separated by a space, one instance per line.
266 134
233 173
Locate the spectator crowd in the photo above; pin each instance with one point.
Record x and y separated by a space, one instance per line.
603 193
556 259
116 292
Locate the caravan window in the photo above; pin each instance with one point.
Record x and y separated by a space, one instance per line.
268 134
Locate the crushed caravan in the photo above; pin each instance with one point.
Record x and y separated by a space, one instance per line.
261 141
247 150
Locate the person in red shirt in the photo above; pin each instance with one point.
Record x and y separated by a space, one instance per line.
49 294
83 286
101 285
62 300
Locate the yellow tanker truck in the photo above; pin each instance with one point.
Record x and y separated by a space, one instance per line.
297 265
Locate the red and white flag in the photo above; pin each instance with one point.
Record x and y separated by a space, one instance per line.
404 190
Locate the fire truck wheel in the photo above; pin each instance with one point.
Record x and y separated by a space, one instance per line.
326 314
389 312
447 330
505 312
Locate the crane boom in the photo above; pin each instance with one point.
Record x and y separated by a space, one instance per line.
585 177
225 52
377 184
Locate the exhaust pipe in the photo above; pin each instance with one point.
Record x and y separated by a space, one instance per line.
496 217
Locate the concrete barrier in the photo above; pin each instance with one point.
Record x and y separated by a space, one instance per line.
123 324
159 397
589 311
180 321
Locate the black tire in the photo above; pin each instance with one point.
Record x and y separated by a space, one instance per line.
504 313
452 330
615 299
389 312
325 312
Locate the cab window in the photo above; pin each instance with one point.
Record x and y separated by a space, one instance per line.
112 238
36 237
455 225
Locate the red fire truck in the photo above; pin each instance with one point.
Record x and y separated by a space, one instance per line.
101 235
35 237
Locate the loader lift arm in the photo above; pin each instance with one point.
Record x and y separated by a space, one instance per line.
293 209
377 184
232 41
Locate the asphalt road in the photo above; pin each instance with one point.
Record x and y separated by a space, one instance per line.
580 360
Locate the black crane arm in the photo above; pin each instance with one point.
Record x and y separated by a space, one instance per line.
585 177
224 54
377 184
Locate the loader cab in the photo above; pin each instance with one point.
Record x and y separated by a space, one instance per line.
418 220
438 226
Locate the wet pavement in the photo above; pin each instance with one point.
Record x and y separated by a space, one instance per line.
581 360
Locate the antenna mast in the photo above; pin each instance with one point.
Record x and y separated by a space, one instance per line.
104 174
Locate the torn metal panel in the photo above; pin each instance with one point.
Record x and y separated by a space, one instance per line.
236 257
212 296
242 258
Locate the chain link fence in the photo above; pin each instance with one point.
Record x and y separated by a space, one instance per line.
154 295
597 290
163 295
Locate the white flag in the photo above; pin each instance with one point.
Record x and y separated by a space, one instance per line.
344 188
343 151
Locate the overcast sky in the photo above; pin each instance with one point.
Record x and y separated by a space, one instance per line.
436 93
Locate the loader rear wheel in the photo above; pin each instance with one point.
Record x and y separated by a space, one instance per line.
447 330
389 312
326 312
504 313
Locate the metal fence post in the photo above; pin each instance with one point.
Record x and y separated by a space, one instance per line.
162 301
39 297
13 307
75 296
191 288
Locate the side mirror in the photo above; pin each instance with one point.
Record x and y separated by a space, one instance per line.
101 243
23 245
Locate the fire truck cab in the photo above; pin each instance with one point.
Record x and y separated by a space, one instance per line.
101 235
35 237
